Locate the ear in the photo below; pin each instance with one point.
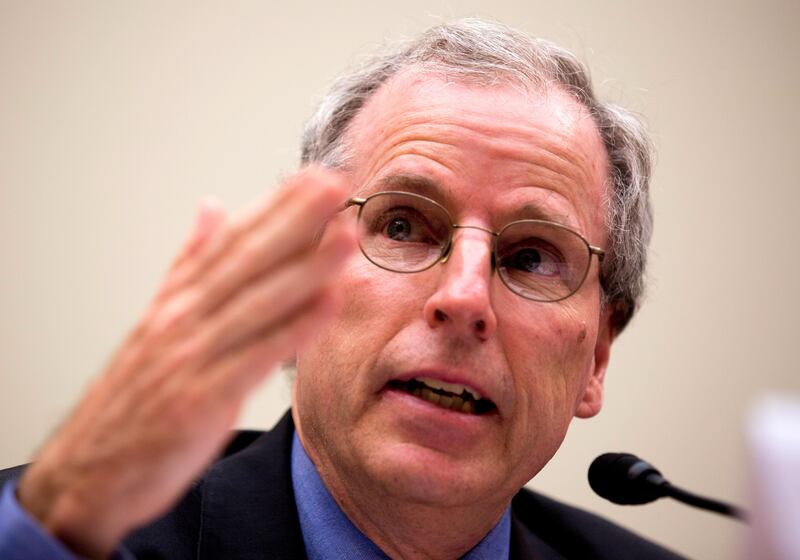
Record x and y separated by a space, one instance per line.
592 400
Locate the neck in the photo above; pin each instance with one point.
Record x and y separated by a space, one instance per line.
403 528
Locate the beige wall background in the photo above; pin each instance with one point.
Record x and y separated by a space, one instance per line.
117 117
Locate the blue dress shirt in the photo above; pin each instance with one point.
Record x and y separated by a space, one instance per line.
329 534
21 536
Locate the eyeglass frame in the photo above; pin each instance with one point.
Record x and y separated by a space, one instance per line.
446 249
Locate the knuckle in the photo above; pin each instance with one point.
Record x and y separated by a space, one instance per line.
175 314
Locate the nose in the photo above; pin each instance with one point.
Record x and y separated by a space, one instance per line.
462 302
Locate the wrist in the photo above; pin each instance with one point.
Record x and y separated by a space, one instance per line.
65 515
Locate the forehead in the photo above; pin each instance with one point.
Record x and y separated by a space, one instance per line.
515 147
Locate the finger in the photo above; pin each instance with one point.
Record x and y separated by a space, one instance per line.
297 189
209 219
182 303
231 375
304 201
272 298
210 216
313 196
274 205
273 242
237 373
264 303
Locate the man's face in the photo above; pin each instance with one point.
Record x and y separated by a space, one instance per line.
490 155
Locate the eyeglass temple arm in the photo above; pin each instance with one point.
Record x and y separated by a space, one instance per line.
355 201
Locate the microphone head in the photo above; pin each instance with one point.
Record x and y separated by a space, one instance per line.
625 479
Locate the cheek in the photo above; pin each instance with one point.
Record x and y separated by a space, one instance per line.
374 308
574 366
375 301
551 365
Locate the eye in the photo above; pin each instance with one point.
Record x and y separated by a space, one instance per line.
406 225
398 229
527 260
532 257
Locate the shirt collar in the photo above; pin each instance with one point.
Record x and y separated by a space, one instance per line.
329 534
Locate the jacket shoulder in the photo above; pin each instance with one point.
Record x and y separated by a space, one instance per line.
241 440
176 534
11 473
576 533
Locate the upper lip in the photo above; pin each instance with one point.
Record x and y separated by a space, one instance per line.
450 376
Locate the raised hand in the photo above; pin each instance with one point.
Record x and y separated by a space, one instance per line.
240 297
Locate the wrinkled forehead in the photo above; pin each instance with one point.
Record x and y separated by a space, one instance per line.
414 92
544 126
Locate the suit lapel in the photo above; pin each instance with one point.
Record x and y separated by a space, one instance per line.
248 508
526 545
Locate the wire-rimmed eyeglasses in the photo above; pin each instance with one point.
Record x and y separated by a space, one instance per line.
536 259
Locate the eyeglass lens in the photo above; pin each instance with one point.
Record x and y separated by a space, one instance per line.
536 259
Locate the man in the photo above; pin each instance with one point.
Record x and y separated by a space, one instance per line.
502 218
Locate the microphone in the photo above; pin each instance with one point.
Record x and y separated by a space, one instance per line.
626 479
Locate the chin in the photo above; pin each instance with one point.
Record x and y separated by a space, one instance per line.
429 477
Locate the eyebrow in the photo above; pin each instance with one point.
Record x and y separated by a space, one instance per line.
411 182
530 211
428 187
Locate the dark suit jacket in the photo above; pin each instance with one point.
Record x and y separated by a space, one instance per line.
243 508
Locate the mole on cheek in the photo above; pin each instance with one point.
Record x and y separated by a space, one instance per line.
582 333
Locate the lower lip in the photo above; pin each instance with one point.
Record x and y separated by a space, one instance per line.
436 425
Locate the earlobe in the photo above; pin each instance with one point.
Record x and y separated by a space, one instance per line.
592 400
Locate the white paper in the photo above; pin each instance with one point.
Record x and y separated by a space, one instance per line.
773 434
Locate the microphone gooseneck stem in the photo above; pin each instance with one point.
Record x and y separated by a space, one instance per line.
701 502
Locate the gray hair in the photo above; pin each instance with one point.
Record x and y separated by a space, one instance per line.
488 53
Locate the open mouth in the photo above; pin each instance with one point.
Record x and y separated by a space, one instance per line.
450 396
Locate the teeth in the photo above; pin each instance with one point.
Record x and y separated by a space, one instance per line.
430 396
453 403
454 388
